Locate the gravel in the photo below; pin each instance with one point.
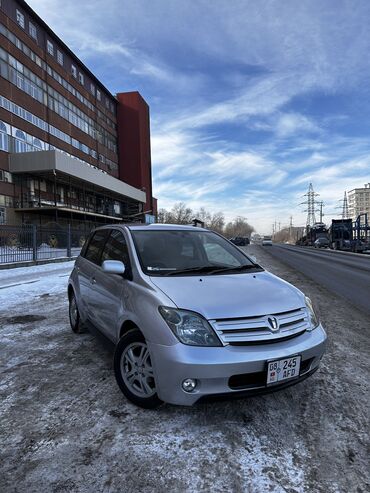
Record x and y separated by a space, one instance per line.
65 426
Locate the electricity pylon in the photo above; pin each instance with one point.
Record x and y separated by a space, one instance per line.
345 212
310 202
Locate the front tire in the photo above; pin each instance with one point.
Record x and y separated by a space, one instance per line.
134 371
74 315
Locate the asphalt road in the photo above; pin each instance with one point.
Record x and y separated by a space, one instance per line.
345 274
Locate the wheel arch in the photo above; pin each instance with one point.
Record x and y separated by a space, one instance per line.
126 326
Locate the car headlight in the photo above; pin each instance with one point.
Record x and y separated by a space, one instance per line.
312 317
189 327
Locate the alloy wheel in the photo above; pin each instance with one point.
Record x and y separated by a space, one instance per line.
137 371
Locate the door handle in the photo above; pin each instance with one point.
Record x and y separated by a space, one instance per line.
93 280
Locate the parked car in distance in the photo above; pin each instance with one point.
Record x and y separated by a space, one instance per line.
191 315
240 241
322 243
266 241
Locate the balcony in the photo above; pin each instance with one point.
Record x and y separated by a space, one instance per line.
55 184
52 162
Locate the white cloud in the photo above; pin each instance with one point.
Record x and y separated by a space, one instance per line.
292 123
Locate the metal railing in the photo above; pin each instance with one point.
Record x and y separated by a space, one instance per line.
31 243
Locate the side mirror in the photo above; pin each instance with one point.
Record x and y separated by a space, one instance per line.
113 267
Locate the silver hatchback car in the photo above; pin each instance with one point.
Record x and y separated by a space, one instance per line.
191 315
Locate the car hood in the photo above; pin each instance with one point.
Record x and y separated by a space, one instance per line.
231 296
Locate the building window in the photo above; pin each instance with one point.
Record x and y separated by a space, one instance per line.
60 58
37 144
32 30
81 78
5 176
3 137
2 215
50 47
74 71
20 141
98 95
92 89
20 18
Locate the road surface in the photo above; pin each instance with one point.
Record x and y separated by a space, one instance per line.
345 274
65 425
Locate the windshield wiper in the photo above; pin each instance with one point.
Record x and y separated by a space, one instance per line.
200 270
212 269
235 269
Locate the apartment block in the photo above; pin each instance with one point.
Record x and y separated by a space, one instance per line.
70 151
359 201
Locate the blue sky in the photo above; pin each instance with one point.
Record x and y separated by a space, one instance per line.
250 99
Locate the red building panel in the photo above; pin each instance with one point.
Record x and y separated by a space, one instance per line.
134 144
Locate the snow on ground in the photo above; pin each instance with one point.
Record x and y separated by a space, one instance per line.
66 427
25 284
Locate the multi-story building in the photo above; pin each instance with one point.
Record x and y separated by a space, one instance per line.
359 201
70 151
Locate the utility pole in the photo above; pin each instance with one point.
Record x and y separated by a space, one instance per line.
321 204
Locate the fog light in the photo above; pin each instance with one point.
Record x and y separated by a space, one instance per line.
189 384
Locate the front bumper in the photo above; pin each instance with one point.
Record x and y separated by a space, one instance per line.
213 367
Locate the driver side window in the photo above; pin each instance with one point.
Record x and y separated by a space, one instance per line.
116 248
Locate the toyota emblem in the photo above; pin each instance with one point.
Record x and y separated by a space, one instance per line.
273 323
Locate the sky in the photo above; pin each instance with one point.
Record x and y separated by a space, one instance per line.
250 100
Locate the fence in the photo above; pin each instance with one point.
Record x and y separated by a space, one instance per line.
30 243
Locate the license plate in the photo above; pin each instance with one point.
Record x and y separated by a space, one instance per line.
283 369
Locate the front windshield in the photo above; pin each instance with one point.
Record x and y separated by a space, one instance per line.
188 252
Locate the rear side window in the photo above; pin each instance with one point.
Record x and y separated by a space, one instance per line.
95 247
116 248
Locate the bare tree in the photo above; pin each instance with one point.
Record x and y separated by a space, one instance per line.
217 222
181 214
162 216
238 227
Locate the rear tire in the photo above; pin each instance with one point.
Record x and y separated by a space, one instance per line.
134 372
74 315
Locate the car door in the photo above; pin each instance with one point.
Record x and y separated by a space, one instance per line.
111 290
87 265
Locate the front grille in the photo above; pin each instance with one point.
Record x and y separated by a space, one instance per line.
256 330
